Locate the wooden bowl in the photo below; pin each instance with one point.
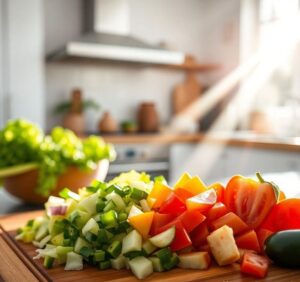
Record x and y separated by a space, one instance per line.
23 185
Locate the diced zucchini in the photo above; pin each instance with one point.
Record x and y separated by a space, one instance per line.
141 267
157 267
89 203
148 247
132 242
91 226
62 253
164 255
163 239
118 263
104 264
115 248
117 199
99 255
80 243
74 261
134 254
48 262
195 260
58 239
171 263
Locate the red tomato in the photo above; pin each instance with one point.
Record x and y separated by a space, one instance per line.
284 216
254 265
248 241
250 200
173 205
203 201
231 220
218 210
182 239
191 219
262 235
183 194
199 235
160 220
220 190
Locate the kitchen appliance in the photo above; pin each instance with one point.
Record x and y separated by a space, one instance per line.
107 36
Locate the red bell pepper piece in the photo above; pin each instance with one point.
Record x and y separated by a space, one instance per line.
160 220
173 205
199 235
191 219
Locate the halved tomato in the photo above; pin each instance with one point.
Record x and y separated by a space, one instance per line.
254 265
232 220
248 241
249 199
284 216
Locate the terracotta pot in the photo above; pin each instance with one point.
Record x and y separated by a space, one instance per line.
23 185
74 122
148 117
107 124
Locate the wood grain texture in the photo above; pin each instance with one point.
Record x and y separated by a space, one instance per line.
229 273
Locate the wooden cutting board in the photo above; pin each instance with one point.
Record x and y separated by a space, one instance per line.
17 265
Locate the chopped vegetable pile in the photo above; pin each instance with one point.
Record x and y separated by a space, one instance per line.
143 225
22 142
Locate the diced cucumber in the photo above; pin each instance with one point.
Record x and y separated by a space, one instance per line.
157 267
48 262
58 239
104 264
118 263
122 216
148 247
62 253
144 205
115 248
134 211
117 199
163 239
164 255
79 218
56 225
89 203
141 267
118 237
132 242
91 226
79 244
171 263
74 261
134 254
42 232
99 255
110 205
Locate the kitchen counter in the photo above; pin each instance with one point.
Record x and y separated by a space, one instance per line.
234 139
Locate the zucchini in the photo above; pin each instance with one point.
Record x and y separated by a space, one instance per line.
157 267
132 242
91 226
89 203
163 239
148 247
118 263
283 248
141 267
80 243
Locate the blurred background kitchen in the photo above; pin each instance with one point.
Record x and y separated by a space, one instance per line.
206 86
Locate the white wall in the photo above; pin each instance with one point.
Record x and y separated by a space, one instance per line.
22 69
207 29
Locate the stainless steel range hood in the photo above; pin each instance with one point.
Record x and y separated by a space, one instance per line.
108 38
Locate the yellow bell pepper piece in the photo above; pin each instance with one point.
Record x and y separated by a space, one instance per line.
195 185
142 223
182 180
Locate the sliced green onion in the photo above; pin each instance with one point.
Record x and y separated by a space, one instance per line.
99 255
109 218
104 264
138 194
115 249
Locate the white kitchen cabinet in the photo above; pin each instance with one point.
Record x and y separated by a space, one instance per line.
22 62
214 162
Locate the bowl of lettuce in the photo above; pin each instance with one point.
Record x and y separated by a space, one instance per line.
34 165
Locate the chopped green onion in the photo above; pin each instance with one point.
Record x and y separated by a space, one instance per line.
138 194
164 255
99 255
104 264
115 249
86 252
67 193
102 236
109 218
174 260
100 206
109 206
48 262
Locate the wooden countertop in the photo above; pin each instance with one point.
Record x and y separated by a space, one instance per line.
256 141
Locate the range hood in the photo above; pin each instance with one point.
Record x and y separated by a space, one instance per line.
107 37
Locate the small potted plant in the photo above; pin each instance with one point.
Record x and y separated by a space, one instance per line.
34 165
73 111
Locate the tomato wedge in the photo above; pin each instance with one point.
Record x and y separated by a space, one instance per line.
218 210
284 216
248 241
203 201
254 265
232 220
249 199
